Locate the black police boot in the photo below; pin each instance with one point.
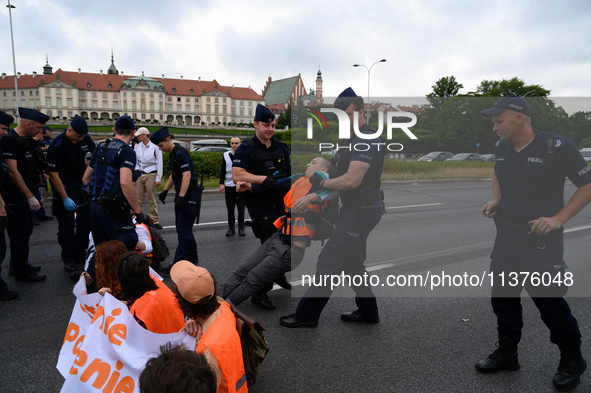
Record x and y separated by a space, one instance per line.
571 366
504 358
241 231
231 231
69 266
283 283
262 300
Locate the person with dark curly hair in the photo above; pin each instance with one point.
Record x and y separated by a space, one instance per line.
177 370
149 300
106 257
195 292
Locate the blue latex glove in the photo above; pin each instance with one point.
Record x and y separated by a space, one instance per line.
69 204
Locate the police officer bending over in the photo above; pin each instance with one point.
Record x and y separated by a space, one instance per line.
529 211
112 193
66 162
23 173
359 185
261 161
186 201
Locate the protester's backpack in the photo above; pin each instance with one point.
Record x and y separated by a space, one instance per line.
160 250
325 221
253 343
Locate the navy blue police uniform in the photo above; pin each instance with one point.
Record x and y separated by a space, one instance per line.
69 161
20 225
46 140
185 208
264 206
3 223
110 212
531 183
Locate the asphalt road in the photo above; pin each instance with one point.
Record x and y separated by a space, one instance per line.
427 340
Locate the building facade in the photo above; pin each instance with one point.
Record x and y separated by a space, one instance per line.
107 96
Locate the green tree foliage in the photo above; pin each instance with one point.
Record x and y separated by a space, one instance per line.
503 87
446 87
284 119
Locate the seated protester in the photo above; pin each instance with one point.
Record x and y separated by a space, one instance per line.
106 257
177 369
149 300
277 255
144 240
195 292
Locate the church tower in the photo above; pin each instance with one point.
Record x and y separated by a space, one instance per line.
47 69
112 69
319 83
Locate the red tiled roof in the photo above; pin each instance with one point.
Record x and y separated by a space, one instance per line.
24 82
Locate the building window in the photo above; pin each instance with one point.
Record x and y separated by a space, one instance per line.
151 106
59 103
69 93
143 95
31 93
249 103
233 111
124 94
110 86
161 117
70 114
82 94
208 109
48 113
178 99
133 105
169 99
160 106
4 94
104 95
224 100
216 109
143 116
216 100
143 106
83 103
59 113
70 104
191 91
174 89
47 91
250 112
58 91
94 104
241 103
151 95
38 103
133 94
241 112
93 95
114 96
125 106
196 109
37 93
178 108
224 110
116 105
170 108
22 93
105 105
160 96
208 99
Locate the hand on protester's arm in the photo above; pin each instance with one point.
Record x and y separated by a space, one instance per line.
193 329
87 278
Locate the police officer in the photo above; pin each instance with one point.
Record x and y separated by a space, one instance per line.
110 181
66 160
46 140
362 207
5 294
23 173
186 201
529 211
260 161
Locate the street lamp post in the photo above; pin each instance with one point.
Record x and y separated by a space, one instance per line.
368 76
10 7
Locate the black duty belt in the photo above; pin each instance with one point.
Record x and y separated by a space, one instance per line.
148 173
523 229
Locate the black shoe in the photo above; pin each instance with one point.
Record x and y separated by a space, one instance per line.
504 358
295 321
241 231
230 232
69 266
31 277
8 295
356 316
571 366
35 222
34 268
261 299
44 218
157 226
283 283
194 259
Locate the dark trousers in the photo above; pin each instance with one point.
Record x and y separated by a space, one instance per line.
20 228
344 254
554 310
185 217
105 228
234 199
3 286
41 212
73 227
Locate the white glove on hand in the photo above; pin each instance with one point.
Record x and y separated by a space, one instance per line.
33 204
43 194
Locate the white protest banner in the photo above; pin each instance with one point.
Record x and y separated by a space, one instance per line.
104 349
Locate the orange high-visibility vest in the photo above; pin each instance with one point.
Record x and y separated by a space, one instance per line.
222 339
159 310
297 225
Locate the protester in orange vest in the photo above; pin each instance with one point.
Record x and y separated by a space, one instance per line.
149 300
195 292
285 249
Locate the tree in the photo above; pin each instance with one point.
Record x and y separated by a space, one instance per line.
503 87
446 87
284 119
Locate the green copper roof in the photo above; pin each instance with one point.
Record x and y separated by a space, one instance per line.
132 83
279 91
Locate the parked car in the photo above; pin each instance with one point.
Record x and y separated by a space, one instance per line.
436 156
213 149
466 157
488 157
586 153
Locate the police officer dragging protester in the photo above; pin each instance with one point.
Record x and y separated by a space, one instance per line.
23 173
260 161
70 204
529 212
357 177
187 198
110 179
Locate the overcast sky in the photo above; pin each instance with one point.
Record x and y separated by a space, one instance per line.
243 42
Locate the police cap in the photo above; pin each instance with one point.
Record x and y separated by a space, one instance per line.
512 103
6 119
79 125
264 114
125 123
32 114
345 99
160 135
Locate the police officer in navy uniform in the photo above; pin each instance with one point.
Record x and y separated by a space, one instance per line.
358 171
5 294
66 160
110 179
186 200
261 161
23 173
529 211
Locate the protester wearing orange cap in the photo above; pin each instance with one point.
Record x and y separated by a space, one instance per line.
195 291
